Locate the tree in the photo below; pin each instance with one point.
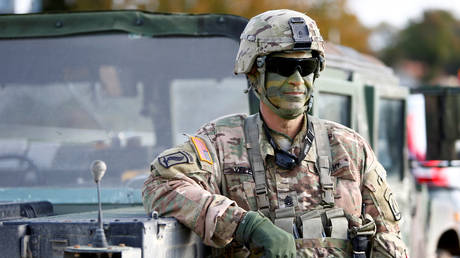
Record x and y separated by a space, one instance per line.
433 41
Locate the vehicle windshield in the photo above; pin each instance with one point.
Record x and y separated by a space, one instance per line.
120 98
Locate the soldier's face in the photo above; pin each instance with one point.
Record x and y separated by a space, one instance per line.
289 91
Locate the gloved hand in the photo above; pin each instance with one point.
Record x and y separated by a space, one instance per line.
256 230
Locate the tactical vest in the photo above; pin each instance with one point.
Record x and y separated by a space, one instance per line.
315 229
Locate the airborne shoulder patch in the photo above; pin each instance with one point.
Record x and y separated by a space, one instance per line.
201 149
175 158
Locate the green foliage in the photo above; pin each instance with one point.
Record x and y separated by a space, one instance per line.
434 41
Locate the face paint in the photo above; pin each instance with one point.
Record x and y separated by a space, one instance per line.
290 93
288 96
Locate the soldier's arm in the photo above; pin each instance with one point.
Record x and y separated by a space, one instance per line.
180 186
380 203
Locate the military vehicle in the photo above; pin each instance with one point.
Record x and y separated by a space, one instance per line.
113 86
121 86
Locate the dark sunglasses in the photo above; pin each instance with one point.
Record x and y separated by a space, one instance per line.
287 66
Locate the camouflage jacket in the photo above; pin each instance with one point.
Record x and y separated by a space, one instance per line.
210 188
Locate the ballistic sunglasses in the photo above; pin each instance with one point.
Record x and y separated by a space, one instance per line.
287 66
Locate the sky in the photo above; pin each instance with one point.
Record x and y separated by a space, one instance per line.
398 12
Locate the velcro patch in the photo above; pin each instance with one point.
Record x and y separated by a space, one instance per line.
393 204
202 150
340 164
238 170
175 158
343 169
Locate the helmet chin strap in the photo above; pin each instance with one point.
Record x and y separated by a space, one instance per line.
262 95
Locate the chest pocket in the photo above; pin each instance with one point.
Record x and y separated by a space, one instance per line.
347 193
239 186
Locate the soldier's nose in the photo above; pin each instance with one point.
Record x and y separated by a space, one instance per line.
295 79
295 83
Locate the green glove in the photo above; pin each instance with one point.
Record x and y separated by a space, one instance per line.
256 230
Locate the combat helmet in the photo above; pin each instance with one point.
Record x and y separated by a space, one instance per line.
275 31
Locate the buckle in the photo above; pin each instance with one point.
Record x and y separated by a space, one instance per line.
327 186
260 191
327 204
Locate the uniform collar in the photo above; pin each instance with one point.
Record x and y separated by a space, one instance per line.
265 146
267 149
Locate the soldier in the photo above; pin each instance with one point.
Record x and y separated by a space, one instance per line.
279 182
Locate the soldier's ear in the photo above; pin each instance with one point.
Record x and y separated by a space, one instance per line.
253 77
253 71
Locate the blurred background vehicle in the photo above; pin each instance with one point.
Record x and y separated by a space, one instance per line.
434 146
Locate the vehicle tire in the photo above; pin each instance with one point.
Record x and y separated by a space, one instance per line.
442 253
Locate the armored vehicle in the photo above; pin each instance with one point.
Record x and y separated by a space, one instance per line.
121 86
114 86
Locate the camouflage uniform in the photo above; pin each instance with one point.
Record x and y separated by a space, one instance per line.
207 183
212 198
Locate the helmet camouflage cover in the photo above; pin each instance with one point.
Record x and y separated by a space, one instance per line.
272 31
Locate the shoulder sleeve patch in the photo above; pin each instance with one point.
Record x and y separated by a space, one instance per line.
174 158
202 150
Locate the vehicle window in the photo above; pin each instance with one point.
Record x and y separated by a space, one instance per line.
121 98
215 98
391 136
335 107
457 148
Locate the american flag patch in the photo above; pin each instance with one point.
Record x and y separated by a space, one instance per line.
202 150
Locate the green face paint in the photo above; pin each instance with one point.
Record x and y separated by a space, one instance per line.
289 94
287 97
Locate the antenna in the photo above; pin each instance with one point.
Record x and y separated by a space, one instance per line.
98 168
